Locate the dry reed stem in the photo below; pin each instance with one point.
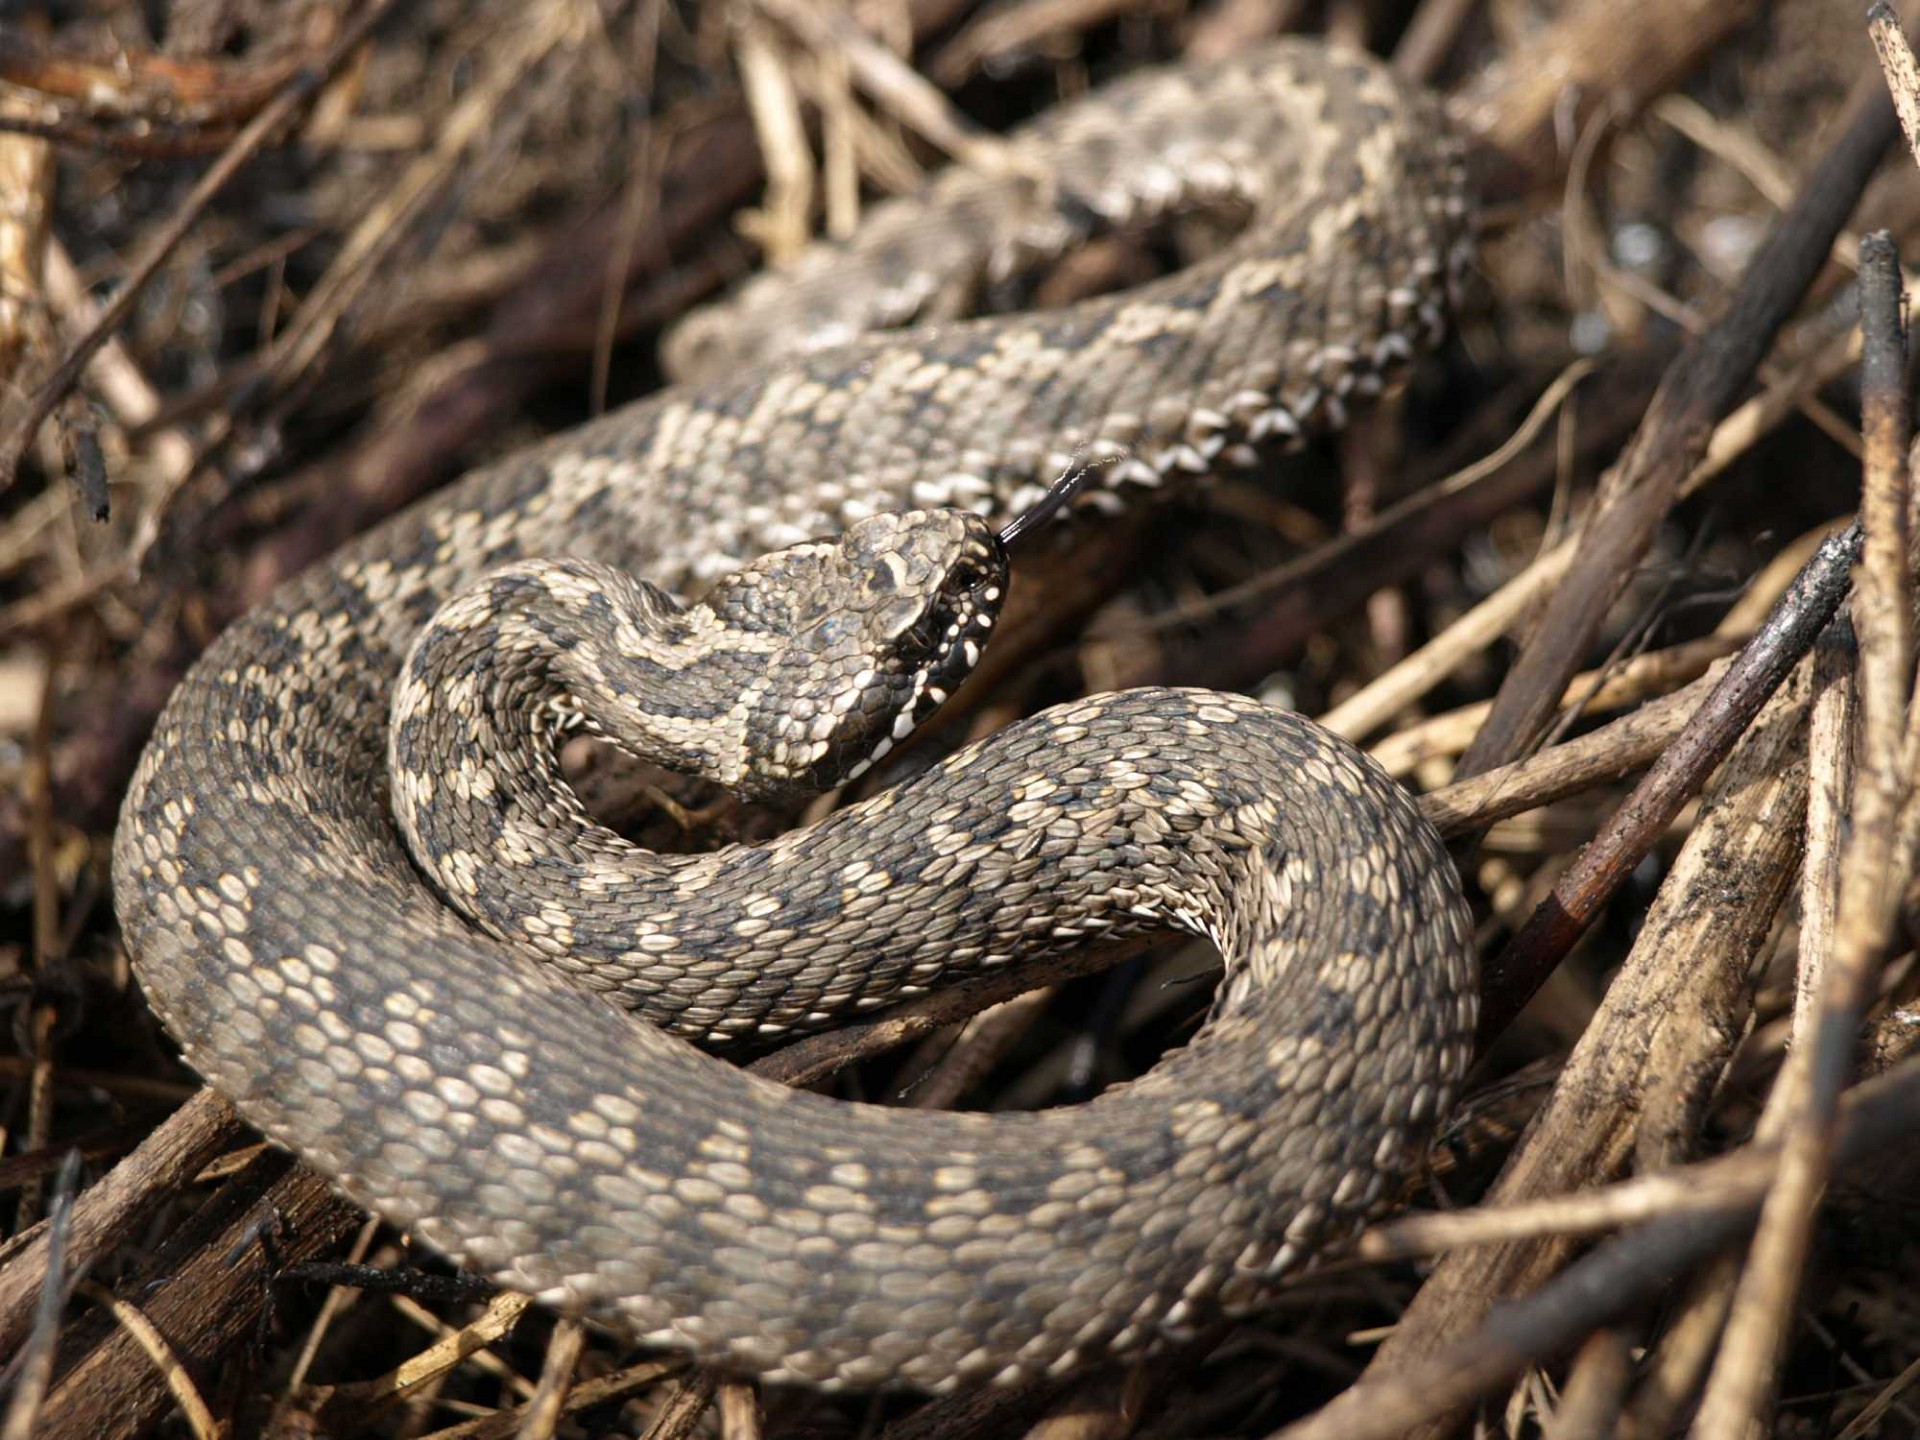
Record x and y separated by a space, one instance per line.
300 87
1739 1388
782 226
1898 64
1611 1280
145 1334
1700 386
1390 693
895 85
1631 681
586 1395
740 1413
548 1405
1674 1011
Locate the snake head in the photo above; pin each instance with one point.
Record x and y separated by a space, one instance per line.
878 626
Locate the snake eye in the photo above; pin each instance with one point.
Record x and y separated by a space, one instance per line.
969 577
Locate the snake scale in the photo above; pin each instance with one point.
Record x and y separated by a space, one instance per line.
420 1035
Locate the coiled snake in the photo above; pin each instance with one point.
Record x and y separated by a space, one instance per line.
430 1060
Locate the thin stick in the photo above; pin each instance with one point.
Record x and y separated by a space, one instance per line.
1898 65
1830 728
1589 59
1801 614
556 1381
301 87
146 1335
216 1265
109 1210
606 1390
1700 386
1429 37
1610 1281
686 1404
1627 682
1393 690
1737 1391
1596 1387
1630 743
1741 1176
907 94
513 57
35 1367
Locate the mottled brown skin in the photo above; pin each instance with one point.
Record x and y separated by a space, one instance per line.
456 1083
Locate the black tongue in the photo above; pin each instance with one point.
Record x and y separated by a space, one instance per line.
1071 482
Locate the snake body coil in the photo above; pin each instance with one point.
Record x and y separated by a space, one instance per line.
412 1039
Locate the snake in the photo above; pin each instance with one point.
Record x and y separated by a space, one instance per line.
359 893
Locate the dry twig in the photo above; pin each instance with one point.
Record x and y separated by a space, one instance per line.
1700 387
299 89
1802 613
1607 1283
1872 872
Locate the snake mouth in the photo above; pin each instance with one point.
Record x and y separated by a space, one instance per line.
955 636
